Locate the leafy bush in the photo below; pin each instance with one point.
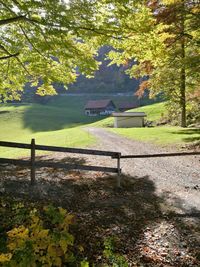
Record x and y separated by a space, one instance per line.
114 259
44 240
35 236
193 115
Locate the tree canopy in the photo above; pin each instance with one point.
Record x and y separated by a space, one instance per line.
51 41
164 39
48 41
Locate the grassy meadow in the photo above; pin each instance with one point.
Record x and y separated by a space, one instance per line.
154 113
165 135
162 135
59 122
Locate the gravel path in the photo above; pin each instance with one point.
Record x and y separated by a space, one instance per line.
175 178
155 216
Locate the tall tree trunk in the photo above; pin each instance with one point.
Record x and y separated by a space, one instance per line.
183 73
183 98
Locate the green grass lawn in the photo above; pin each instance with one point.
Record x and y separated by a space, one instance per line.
159 135
154 112
57 123
49 125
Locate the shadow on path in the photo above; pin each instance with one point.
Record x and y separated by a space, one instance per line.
147 231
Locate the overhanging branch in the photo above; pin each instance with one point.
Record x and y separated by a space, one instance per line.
12 20
16 57
9 56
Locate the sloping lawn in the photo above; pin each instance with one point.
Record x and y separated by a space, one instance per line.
47 124
154 112
161 135
56 123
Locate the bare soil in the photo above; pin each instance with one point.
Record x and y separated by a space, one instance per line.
154 216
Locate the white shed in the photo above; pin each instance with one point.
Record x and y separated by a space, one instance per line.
128 119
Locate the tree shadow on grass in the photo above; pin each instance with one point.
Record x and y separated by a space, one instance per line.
51 118
144 232
189 133
4 112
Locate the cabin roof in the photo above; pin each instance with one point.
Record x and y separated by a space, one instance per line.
98 103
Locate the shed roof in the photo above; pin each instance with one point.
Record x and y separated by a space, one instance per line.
129 114
98 103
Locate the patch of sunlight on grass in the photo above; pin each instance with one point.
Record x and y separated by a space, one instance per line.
161 135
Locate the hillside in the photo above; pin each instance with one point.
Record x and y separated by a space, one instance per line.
60 123
163 135
108 79
154 112
56 123
49 124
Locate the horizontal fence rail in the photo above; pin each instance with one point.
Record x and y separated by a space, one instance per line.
61 149
33 164
42 164
159 155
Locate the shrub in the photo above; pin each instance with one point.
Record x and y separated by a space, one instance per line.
41 241
114 259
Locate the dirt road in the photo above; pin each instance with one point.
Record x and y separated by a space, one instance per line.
176 178
155 216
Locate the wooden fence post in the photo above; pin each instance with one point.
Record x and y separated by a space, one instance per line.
118 171
33 162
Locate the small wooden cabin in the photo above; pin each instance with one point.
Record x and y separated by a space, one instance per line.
99 107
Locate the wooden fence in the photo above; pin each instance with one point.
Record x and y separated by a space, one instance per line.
33 163
159 155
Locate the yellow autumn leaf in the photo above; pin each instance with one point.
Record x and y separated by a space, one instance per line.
43 233
12 246
4 257
20 232
81 248
62 211
68 220
52 251
63 245
35 221
43 260
57 262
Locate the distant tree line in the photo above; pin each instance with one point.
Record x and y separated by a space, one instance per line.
108 79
